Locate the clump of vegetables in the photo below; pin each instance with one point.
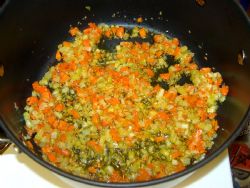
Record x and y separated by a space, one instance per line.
125 115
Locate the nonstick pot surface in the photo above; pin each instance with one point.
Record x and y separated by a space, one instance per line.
31 30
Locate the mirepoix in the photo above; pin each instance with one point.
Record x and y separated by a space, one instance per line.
138 112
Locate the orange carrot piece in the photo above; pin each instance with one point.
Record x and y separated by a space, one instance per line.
179 167
224 90
165 76
51 120
73 31
143 33
95 119
116 177
92 170
114 101
108 33
64 77
163 116
176 154
205 70
120 32
159 138
75 114
63 137
58 56
143 175
212 115
139 20
65 152
158 38
32 100
52 157
175 41
95 146
151 60
66 44
59 107
177 51
86 43
115 135
159 53
149 72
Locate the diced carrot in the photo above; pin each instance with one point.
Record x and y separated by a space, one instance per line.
193 66
206 70
117 177
177 51
219 81
156 89
120 32
180 167
52 157
87 31
32 100
143 33
150 165
224 90
192 100
51 119
59 107
115 135
125 81
108 33
95 146
65 152
163 115
159 138
139 20
151 60
212 115
29 145
64 77
176 154
215 124
158 38
73 31
175 41
105 123
159 53
149 72
147 123
63 125
165 76
92 25
92 169
58 56
95 119
47 149
75 114
114 101
63 137
86 43
70 128
124 69
203 115
143 175
66 44
196 143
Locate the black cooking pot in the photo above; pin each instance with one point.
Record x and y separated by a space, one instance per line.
218 33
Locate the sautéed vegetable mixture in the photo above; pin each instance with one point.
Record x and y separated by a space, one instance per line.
140 111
